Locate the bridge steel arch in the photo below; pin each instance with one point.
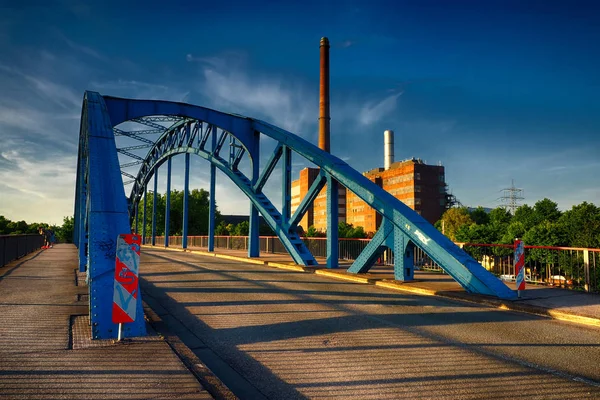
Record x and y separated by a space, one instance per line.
203 132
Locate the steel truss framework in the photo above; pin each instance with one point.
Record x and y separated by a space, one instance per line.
102 210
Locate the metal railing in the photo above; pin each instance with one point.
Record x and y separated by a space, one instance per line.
13 247
568 267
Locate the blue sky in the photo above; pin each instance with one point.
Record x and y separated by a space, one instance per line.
495 90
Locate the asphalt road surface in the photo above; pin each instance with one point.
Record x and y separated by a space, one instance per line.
277 334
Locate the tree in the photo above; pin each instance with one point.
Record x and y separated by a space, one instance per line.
241 229
582 225
313 232
546 234
221 229
479 216
546 210
500 215
198 206
525 215
453 219
65 232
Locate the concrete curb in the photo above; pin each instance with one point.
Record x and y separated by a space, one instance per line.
394 285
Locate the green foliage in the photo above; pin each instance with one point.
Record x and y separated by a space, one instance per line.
453 219
479 216
541 225
546 210
526 216
313 232
221 229
62 233
582 225
197 213
65 233
241 229
346 230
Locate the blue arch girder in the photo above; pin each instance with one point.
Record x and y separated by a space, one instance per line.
401 230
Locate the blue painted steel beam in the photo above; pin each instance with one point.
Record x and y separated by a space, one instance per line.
154 201
308 199
186 194
457 263
212 205
462 267
332 222
286 184
253 234
268 169
144 214
168 204
137 218
107 217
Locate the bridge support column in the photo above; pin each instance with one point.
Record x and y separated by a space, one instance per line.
332 223
186 194
168 203
137 218
404 269
388 236
286 189
154 201
254 234
83 231
144 214
212 196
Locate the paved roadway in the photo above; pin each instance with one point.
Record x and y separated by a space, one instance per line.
277 334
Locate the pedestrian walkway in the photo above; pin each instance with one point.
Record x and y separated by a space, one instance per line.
45 345
557 303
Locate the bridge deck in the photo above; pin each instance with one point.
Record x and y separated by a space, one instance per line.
45 346
273 333
281 334
540 299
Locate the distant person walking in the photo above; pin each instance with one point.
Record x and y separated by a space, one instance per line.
48 236
51 237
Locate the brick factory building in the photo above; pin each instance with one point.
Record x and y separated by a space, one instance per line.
420 186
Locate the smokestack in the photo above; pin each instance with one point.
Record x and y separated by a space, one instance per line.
388 149
324 117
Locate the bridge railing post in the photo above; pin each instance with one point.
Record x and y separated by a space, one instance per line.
586 267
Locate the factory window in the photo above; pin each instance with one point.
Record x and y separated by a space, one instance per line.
417 201
442 189
418 176
417 188
442 202
441 177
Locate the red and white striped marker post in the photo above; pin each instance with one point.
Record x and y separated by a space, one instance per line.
126 286
519 266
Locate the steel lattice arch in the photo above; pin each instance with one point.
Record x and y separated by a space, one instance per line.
103 211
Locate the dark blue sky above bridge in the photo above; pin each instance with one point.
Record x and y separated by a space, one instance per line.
495 90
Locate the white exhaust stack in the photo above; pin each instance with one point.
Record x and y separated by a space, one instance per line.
388 149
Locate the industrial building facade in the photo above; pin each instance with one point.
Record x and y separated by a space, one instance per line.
420 186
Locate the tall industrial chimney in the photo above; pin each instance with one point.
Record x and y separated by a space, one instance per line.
388 149
324 117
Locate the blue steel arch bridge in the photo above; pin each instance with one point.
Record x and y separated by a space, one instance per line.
227 141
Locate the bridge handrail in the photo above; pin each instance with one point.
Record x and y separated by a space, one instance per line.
528 246
13 247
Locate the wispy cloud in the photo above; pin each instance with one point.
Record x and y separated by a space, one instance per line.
141 90
374 111
280 101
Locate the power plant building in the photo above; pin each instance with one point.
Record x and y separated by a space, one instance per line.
420 186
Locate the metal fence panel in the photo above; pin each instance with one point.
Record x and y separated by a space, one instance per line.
13 247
